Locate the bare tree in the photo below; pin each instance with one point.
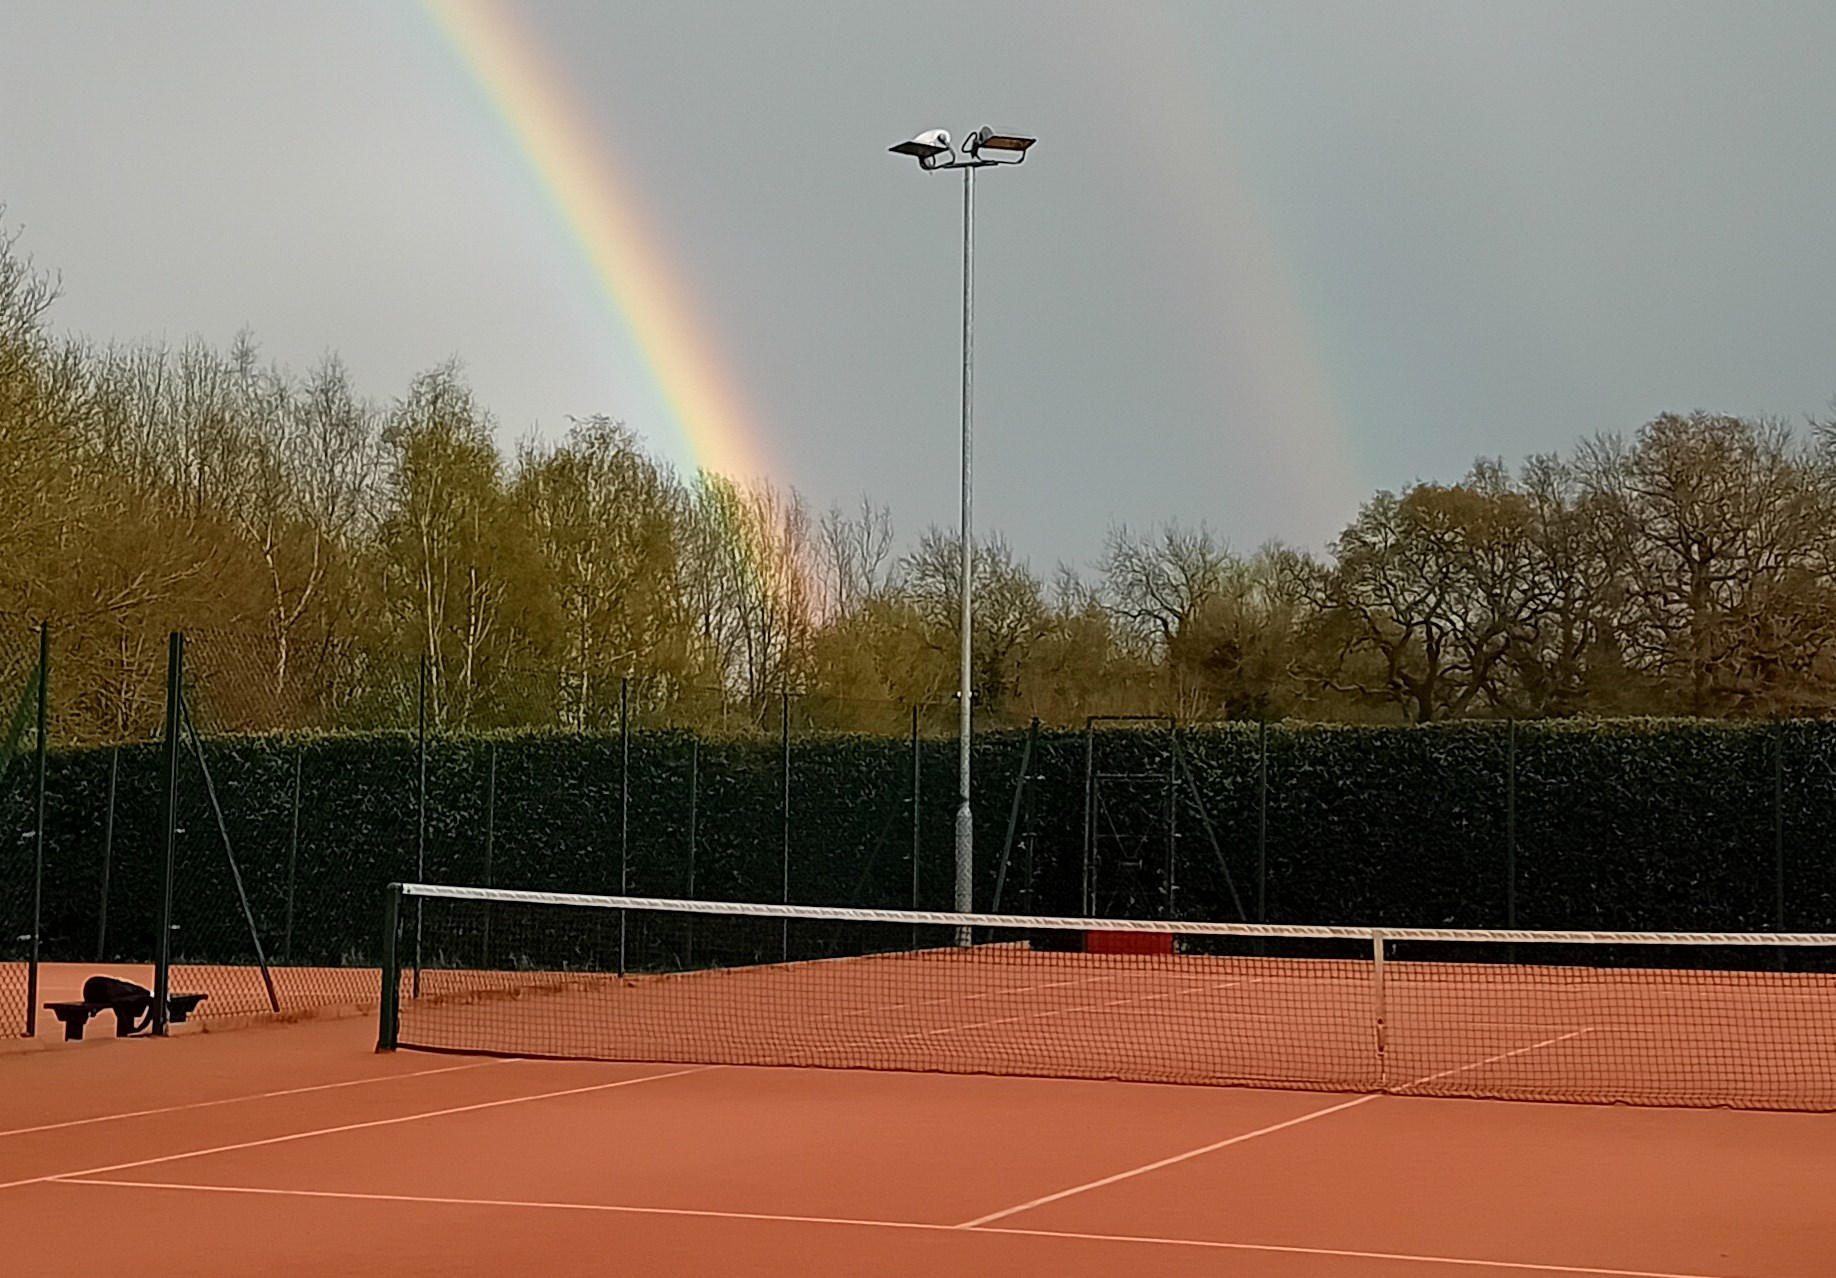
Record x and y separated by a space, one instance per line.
1715 525
855 552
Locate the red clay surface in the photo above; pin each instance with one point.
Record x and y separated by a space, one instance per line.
294 1149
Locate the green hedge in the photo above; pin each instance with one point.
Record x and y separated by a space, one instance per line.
1648 825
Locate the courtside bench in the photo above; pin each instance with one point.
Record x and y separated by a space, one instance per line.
131 1004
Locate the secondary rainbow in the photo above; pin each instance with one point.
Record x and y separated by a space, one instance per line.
572 165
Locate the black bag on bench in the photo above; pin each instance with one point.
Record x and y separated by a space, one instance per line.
132 1005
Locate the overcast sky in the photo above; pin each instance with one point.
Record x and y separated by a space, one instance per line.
1265 259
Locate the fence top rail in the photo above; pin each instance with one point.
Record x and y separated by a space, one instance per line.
1033 922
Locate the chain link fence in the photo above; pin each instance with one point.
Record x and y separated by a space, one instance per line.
288 815
19 684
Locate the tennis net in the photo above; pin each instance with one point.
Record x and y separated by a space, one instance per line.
1745 1020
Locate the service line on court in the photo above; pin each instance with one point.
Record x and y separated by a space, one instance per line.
356 1127
252 1096
1337 1253
1241 1137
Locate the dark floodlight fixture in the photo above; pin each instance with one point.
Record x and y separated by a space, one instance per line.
990 147
926 147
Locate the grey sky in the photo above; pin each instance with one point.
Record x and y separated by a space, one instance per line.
1265 258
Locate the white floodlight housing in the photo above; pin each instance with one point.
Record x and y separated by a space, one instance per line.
926 147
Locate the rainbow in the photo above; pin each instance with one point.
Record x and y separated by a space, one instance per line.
1274 380
570 163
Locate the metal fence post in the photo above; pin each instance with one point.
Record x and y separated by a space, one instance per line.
38 832
293 858
162 964
490 821
490 840
1778 826
694 787
420 826
108 853
1089 885
624 809
917 782
1172 815
1511 823
1262 821
784 848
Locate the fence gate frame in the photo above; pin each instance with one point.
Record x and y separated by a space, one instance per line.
1104 790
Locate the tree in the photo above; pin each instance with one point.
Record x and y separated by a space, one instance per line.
605 521
1008 609
1430 593
1716 525
451 577
746 580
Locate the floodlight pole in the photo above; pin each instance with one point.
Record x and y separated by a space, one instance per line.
965 818
932 151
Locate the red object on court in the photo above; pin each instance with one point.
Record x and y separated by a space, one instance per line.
1128 942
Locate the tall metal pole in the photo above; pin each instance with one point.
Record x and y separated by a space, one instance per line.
965 819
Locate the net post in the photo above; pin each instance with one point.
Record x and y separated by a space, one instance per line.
389 1020
1378 1010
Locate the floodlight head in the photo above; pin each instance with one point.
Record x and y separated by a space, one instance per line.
926 147
997 148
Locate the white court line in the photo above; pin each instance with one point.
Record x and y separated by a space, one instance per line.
253 1096
1502 1056
1243 1136
355 1127
922 1226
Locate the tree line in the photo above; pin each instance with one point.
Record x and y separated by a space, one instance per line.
324 545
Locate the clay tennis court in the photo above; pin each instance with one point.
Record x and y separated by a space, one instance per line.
296 1149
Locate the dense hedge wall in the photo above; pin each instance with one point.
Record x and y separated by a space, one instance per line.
1650 825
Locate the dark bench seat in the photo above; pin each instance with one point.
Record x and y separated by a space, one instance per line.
131 1004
